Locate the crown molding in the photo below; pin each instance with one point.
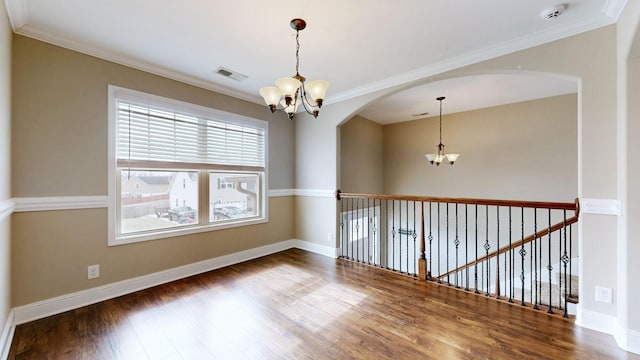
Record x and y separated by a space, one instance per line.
473 57
611 11
17 13
58 40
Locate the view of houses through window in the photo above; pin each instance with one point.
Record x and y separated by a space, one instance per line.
154 200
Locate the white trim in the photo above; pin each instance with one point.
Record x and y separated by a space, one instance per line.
324 193
41 309
596 321
613 9
329 251
531 40
628 340
7 335
17 13
6 208
19 19
46 203
601 206
109 55
281 192
50 203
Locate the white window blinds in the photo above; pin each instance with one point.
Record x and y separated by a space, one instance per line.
148 134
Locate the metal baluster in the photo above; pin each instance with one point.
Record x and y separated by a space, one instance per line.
466 247
475 267
350 226
487 246
549 267
415 272
510 281
439 257
341 228
393 234
535 259
358 219
430 269
400 237
368 221
386 234
523 254
565 260
560 269
498 253
570 259
447 241
376 241
457 243
407 234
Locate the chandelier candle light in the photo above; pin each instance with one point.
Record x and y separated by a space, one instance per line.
291 91
441 156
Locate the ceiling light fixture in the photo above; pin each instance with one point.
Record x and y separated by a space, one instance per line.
291 91
441 156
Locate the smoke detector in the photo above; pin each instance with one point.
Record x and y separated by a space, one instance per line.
230 74
553 12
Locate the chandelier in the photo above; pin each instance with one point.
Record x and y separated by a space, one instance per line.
441 156
289 92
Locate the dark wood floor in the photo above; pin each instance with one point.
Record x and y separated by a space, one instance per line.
298 305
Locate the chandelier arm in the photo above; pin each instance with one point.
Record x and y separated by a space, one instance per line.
305 102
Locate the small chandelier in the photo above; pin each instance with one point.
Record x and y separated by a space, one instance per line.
441 156
291 91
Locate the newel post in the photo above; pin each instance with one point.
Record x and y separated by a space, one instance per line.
422 261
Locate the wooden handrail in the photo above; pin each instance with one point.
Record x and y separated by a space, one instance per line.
575 206
504 249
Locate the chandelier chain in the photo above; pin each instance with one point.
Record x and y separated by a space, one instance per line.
297 52
440 121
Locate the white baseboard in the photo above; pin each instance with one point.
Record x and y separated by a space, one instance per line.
596 321
628 340
57 305
7 335
329 251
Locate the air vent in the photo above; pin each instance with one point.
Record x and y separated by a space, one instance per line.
553 12
421 114
230 74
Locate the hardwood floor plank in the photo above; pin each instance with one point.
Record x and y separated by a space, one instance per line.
298 305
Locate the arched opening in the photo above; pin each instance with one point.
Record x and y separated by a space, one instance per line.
517 133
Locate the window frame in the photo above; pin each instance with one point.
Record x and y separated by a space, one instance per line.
115 237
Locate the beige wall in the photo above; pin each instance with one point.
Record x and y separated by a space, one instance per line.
5 164
60 149
361 156
525 151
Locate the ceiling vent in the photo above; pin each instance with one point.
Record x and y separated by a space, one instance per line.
553 12
230 74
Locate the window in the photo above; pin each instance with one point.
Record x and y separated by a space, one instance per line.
179 168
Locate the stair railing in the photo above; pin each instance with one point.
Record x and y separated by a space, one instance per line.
516 251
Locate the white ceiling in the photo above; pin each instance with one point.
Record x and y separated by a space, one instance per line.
360 46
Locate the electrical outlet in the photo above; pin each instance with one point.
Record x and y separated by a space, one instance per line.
329 237
93 271
604 295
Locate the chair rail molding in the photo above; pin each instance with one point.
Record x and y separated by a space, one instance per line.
601 206
7 207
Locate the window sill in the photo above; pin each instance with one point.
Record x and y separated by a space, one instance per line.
187 230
